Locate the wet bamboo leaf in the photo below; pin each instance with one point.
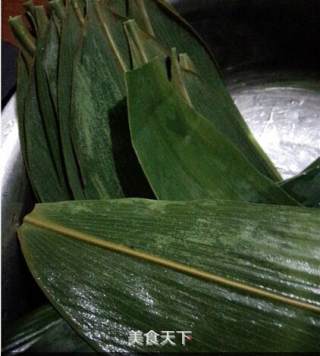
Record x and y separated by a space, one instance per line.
305 187
39 160
197 93
112 25
100 133
46 97
50 60
160 20
182 154
239 276
71 37
42 171
25 41
143 47
138 11
38 17
42 330
172 31
98 89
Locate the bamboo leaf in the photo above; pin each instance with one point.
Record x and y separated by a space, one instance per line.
93 101
207 103
109 168
137 9
305 187
50 59
25 41
187 81
112 25
46 97
71 37
182 154
39 162
38 17
172 31
143 46
240 276
43 329
41 167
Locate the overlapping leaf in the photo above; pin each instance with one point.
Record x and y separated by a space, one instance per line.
43 163
71 37
182 154
107 163
171 30
197 93
103 165
240 276
98 93
46 100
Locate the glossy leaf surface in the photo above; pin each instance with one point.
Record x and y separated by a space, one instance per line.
46 98
144 48
182 154
239 276
172 31
70 41
42 163
100 132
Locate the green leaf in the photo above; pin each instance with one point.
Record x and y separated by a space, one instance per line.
25 40
40 153
38 17
138 10
43 330
240 276
100 132
143 46
305 187
98 93
42 170
117 6
195 91
37 154
51 57
207 103
172 31
71 37
112 25
46 96
182 154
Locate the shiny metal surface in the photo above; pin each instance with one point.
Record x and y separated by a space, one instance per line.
16 199
285 119
283 115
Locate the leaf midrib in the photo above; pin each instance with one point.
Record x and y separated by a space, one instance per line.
176 266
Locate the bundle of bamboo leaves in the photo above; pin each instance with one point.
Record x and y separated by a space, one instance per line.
119 101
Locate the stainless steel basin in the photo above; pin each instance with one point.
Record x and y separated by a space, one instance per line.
269 54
